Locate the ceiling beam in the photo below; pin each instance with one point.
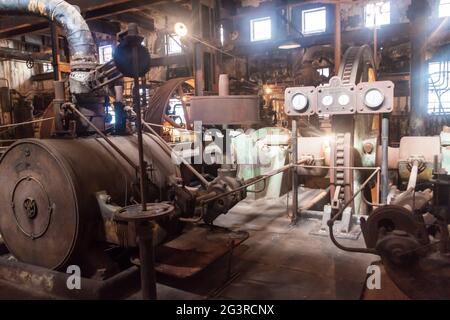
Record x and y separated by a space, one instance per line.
134 17
91 14
14 54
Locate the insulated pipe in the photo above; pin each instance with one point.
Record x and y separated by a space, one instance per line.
81 43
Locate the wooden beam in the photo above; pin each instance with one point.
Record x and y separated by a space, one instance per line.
141 21
169 60
13 54
92 14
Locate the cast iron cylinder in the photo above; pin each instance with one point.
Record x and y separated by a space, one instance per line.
49 215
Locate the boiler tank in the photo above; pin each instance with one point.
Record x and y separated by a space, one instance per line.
49 215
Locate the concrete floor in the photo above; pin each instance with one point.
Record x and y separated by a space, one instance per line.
278 261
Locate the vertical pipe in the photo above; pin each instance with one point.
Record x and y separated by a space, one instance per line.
137 109
198 49
55 49
294 161
337 38
147 259
385 159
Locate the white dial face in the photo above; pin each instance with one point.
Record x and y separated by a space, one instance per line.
344 100
327 101
374 98
299 102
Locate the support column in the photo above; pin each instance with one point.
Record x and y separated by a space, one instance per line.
418 14
337 39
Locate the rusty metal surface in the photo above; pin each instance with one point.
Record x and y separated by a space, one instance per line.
49 214
39 282
426 147
426 279
47 127
310 108
232 110
390 218
385 87
193 251
160 100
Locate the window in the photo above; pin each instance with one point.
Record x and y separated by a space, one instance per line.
377 14
48 67
105 53
444 8
314 20
324 72
173 43
438 87
261 29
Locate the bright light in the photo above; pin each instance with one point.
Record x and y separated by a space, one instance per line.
299 102
268 90
314 20
374 98
324 72
105 53
377 14
327 101
344 100
290 45
180 29
261 29
173 44
444 8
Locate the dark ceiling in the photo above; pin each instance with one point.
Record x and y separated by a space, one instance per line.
98 12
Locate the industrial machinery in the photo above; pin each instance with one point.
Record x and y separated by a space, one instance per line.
349 109
406 223
66 200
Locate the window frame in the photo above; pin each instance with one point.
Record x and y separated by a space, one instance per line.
445 4
101 55
169 39
432 106
252 29
312 10
375 23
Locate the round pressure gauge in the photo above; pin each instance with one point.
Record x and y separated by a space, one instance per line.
344 100
374 98
299 102
327 101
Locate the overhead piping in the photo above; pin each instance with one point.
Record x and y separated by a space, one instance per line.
83 58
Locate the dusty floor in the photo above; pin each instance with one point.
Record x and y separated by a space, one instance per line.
278 261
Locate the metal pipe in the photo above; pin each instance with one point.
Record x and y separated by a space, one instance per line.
294 160
100 133
327 167
25 123
337 38
55 49
339 214
147 260
83 52
202 180
253 181
385 159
